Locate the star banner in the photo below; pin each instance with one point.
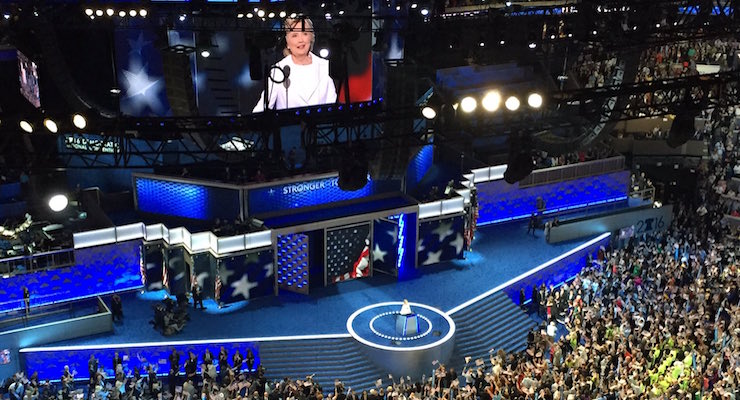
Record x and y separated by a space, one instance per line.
440 240
385 246
246 276
140 74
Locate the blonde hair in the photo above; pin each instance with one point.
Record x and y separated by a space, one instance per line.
297 24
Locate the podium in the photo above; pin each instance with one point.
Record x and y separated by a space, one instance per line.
407 324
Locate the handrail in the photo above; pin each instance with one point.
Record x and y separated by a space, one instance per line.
37 261
573 171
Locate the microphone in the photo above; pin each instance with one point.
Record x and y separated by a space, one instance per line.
286 76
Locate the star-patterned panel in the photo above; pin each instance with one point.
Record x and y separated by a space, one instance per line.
499 201
97 270
178 270
293 262
440 240
344 247
50 364
153 263
385 246
140 74
246 276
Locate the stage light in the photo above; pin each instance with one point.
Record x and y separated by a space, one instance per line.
508 3
58 202
205 53
26 126
425 11
482 44
143 12
283 14
261 13
99 13
491 101
122 13
271 15
502 42
79 121
293 15
250 15
182 17
323 5
468 104
324 52
428 112
51 125
341 12
512 103
110 12
88 11
132 13
115 90
594 32
534 100
327 16
240 15
532 45
414 5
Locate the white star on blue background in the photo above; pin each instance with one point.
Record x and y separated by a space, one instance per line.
379 254
243 286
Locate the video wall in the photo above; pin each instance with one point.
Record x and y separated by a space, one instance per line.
240 64
499 201
97 270
187 200
50 364
440 240
348 253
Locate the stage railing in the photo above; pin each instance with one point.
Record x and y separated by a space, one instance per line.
573 171
37 261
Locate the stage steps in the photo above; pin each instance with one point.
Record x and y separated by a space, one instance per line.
328 358
494 322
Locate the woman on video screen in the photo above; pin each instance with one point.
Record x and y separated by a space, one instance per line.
308 82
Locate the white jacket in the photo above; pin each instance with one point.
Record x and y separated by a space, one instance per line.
308 85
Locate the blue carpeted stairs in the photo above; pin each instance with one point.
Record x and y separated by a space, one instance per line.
493 322
328 358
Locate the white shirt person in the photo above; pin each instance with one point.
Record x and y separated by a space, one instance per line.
308 83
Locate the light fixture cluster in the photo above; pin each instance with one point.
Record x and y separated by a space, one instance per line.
78 121
257 12
111 12
13 232
491 102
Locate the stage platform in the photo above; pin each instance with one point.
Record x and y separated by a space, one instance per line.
500 253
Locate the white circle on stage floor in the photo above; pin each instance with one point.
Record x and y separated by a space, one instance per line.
433 310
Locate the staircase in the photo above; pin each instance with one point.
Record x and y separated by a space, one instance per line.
328 358
494 322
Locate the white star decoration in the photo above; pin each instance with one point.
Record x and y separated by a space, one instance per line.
379 254
225 274
268 270
443 230
138 82
243 286
433 257
137 45
140 90
458 243
394 234
421 247
180 276
201 278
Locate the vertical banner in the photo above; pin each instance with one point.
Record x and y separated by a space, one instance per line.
153 262
177 270
246 276
440 240
385 246
348 253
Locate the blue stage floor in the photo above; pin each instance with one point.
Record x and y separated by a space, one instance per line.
500 253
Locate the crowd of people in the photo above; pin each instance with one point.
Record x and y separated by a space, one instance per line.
544 160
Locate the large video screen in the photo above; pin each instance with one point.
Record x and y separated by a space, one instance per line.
28 75
298 62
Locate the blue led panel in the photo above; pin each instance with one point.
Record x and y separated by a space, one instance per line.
187 200
98 270
499 201
302 194
419 165
50 364
292 262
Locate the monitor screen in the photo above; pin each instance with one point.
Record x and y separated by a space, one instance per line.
28 76
274 63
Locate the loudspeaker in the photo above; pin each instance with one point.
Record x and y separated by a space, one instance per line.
682 129
179 84
519 167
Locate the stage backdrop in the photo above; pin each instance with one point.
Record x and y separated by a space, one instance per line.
394 240
440 240
50 364
98 270
345 248
247 276
499 201
185 199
